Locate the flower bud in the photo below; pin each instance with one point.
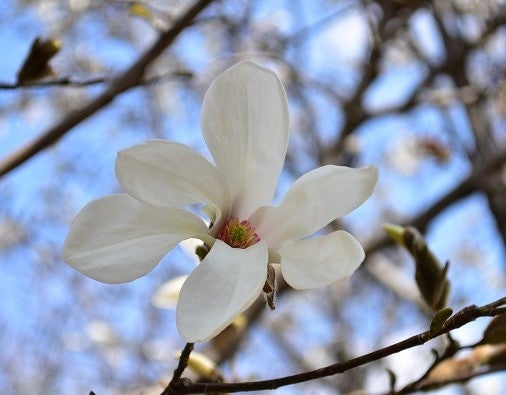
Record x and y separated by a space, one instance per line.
430 276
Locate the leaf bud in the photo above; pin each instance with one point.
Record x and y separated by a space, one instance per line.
429 275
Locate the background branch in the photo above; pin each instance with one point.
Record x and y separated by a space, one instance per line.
127 80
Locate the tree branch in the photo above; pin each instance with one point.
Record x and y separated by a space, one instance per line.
128 79
471 184
459 319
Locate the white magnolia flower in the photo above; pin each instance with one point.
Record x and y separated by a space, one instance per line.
244 121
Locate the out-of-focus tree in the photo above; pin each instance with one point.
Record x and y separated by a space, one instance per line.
416 88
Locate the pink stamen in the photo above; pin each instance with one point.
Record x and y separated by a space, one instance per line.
238 234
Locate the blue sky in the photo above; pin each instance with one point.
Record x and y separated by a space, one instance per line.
45 303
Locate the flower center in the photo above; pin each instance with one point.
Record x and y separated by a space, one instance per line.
238 234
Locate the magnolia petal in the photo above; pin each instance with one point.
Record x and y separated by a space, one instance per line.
166 174
245 125
313 201
313 263
117 239
226 283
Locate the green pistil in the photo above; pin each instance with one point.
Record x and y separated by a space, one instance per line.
238 234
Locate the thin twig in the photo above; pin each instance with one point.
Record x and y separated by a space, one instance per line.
65 82
178 372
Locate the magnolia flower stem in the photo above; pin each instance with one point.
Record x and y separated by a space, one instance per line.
270 287
459 319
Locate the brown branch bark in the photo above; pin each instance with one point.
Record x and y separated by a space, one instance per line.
128 79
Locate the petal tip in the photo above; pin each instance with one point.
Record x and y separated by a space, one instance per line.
372 171
370 178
